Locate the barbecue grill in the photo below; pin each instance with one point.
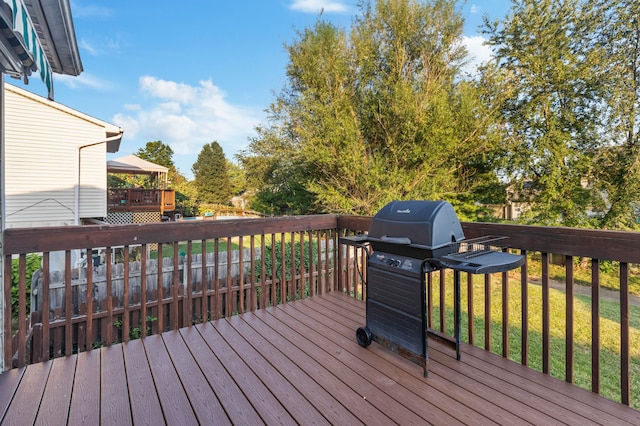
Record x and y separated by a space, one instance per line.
407 240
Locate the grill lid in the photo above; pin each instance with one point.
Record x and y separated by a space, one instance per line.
428 224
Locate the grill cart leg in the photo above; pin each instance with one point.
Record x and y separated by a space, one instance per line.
457 311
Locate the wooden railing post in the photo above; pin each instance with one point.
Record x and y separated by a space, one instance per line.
625 361
595 324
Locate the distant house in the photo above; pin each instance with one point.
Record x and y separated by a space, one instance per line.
55 158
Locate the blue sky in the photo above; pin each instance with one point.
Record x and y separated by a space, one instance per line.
188 73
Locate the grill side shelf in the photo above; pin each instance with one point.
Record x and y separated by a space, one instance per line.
488 262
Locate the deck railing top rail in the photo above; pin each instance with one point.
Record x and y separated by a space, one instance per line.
33 240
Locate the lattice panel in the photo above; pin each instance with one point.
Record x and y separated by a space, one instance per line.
121 218
147 217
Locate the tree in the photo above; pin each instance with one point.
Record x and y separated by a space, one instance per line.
237 179
571 120
618 164
374 114
546 58
158 153
211 175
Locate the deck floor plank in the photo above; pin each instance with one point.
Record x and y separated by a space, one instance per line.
235 403
28 395
335 378
266 404
280 387
171 393
115 408
57 399
204 401
564 393
291 364
85 399
379 389
9 382
467 396
326 405
145 405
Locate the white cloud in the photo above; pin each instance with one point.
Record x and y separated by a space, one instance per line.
108 46
475 9
169 90
479 53
186 117
88 47
83 80
315 6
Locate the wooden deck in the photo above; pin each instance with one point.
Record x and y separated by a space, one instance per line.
293 364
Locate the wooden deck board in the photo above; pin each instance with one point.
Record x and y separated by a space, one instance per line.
26 400
57 399
265 403
377 388
507 409
237 407
205 404
9 382
336 379
145 405
326 405
291 364
115 408
85 399
172 395
280 387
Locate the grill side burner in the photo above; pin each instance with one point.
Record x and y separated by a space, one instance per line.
409 239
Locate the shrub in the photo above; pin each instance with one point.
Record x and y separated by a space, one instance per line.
32 264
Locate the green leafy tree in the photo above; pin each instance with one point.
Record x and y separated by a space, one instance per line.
546 55
159 153
237 178
211 175
374 114
618 164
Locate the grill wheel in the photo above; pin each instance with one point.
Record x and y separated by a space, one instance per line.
363 336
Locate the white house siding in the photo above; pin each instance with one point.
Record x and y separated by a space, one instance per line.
93 182
42 147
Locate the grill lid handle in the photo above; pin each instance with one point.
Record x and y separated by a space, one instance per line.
395 240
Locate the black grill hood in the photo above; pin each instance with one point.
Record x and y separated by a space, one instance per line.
416 228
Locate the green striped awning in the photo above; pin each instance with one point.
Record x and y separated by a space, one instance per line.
24 40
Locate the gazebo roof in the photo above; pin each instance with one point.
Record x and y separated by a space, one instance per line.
135 166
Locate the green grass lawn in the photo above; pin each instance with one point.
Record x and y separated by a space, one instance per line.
609 273
196 248
609 335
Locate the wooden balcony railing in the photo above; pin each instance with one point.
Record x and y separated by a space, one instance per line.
141 200
210 270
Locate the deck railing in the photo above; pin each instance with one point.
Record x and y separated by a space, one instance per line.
140 199
283 259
